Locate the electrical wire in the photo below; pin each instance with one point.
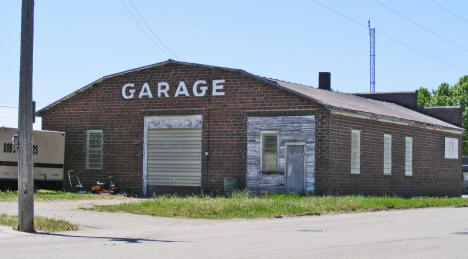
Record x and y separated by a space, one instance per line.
151 30
143 30
399 42
449 11
433 33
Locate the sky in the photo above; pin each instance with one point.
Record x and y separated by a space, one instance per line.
418 43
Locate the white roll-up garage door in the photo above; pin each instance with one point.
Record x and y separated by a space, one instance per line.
174 156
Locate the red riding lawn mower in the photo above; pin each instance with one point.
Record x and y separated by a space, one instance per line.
103 187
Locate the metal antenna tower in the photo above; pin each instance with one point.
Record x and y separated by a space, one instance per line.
372 58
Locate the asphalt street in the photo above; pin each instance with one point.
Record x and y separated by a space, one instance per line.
417 233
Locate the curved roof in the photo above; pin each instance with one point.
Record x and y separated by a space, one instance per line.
330 99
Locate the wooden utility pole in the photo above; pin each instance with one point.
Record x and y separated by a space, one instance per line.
25 118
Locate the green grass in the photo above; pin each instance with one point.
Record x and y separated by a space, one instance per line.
244 205
47 195
40 224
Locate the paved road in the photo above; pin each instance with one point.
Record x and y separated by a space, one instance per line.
421 233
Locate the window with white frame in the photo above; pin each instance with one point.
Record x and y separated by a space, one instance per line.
269 151
451 148
387 161
355 151
94 143
408 156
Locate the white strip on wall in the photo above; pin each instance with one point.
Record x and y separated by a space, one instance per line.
355 151
387 163
408 156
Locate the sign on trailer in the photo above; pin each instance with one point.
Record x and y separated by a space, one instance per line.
48 155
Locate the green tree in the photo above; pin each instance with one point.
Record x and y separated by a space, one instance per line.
424 97
446 95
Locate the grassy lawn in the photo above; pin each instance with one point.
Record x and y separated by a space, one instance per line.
244 205
41 224
48 195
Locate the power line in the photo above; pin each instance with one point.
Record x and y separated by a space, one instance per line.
449 11
422 52
151 30
340 14
421 26
142 29
406 45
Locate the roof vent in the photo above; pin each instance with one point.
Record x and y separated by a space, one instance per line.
324 81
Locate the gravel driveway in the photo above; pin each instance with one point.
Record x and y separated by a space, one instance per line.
417 233
70 210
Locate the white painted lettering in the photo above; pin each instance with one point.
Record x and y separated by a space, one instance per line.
203 88
218 85
200 88
145 91
181 89
163 88
128 95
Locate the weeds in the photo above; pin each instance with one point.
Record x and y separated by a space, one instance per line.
40 223
245 205
47 195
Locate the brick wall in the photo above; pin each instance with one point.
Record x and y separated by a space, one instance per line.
224 126
432 173
450 114
224 135
405 99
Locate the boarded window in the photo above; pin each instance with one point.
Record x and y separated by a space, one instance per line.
387 163
269 151
451 148
408 156
355 151
94 149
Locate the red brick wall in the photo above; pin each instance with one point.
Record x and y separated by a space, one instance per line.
432 173
224 127
224 135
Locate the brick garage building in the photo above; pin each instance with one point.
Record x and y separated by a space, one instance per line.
183 127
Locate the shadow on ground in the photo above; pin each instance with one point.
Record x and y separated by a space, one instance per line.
117 239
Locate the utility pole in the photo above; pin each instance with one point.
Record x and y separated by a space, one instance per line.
372 58
25 118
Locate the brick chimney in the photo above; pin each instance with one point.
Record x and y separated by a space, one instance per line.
324 81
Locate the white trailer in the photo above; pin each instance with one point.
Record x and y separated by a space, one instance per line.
48 157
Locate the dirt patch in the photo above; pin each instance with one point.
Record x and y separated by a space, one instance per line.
77 204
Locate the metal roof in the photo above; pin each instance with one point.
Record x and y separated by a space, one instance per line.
352 102
330 99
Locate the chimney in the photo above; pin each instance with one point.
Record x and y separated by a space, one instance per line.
324 81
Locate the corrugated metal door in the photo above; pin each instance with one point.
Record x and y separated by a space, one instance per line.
174 157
